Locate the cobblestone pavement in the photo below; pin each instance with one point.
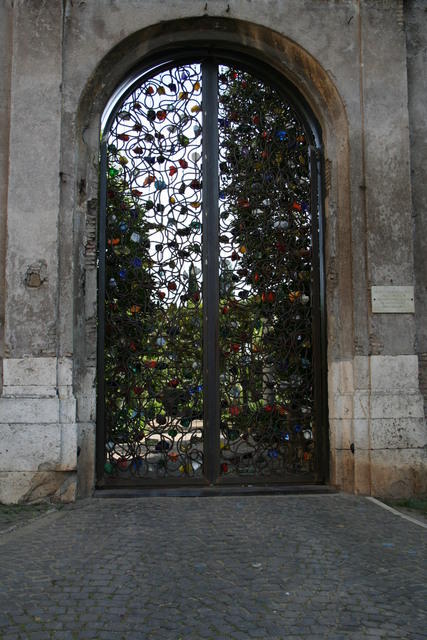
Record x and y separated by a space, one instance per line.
12 516
269 567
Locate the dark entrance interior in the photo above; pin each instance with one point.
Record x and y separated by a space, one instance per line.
211 332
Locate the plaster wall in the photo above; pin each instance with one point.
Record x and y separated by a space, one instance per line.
351 59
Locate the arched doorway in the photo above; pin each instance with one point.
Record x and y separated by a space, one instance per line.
211 348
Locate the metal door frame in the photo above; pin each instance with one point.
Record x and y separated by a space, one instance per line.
210 58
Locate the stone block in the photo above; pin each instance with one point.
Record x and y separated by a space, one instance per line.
362 471
41 447
340 377
361 404
35 486
394 373
398 433
361 434
341 433
68 458
342 469
340 406
65 371
29 392
399 473
86 459
361 372
86 407
29 410
67 410
403 405
34 372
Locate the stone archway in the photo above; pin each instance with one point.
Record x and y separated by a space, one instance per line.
315 85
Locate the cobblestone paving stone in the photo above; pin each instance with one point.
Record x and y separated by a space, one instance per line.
217 568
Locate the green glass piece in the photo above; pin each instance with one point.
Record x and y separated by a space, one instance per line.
183 140
172 433
196 226
185 422
113 172
108 467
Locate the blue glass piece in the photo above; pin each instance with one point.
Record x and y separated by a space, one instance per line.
273 453
281 135
137 262
285 436
123 227
160 184
297 428
122 274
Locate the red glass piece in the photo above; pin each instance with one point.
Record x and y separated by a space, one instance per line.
243 203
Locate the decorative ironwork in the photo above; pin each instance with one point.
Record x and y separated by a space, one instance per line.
157 392
153 321
266 378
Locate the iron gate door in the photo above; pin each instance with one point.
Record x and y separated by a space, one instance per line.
210 336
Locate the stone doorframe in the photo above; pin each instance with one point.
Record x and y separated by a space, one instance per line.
315 85
365 389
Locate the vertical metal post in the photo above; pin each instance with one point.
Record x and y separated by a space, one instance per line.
318 314
211 413
100 403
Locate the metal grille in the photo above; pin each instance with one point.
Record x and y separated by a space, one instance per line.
208 283
265 281
153 322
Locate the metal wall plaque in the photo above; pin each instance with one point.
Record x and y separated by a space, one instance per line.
390 299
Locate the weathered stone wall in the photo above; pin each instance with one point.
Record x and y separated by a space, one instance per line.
416 42
358 63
